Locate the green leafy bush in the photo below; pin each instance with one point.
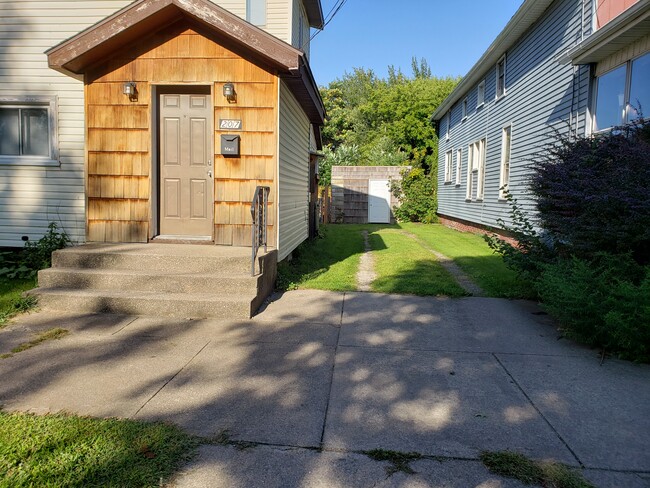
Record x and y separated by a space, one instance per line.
34 256
416 193
603 302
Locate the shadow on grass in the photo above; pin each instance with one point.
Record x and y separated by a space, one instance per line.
328 262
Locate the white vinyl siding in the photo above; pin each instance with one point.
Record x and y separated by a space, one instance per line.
300 27
31 196
293 171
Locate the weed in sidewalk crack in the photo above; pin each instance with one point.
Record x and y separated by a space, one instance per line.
399 461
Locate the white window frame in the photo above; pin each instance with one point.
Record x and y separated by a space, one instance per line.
448 128
459 164
448 165
465 102
480 160
49 103
480 94
506 160
470 172
256 10
501 90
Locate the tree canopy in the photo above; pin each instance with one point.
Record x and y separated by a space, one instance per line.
376 121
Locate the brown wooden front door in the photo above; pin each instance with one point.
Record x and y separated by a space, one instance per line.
186 180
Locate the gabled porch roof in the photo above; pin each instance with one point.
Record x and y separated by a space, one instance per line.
76 55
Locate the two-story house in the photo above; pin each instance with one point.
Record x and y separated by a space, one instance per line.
132 121
578 66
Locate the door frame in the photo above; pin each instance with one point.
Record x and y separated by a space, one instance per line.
155 197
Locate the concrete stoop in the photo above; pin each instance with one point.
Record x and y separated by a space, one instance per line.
173 280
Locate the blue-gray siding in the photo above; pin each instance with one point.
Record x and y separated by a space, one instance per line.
542 96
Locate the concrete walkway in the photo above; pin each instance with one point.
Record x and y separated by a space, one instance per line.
318 377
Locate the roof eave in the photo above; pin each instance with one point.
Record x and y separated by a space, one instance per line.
632 24
314 11
529 12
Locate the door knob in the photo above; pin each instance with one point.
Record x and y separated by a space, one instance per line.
209 174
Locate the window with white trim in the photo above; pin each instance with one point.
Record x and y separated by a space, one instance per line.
459 159
480 161
506 144
501 76
28 131
480 94
465 108
623 94
448 129
256 12
470 172
448 166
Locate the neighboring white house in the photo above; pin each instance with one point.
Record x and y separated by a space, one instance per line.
576 66
42 133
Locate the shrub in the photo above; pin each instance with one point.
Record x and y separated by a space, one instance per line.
417 197
592 193
35 255
602 302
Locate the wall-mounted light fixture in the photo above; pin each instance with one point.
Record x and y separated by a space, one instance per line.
130 89
229 92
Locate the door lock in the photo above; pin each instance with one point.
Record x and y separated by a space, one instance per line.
209 174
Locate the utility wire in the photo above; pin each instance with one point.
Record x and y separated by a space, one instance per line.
330 16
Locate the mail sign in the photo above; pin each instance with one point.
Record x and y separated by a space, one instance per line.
230 124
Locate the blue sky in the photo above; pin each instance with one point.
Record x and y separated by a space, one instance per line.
450 35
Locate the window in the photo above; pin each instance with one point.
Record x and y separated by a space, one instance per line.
459 159
506 143
470 173
480 94
448 165
256 12
448 128
27 131
476 165
623 94
465 108
501 76
479 150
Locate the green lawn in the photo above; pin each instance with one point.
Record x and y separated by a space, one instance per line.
402 265
472 254
65 450
327 263
11 299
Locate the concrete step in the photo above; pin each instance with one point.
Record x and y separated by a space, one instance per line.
149 280
172 258
181 305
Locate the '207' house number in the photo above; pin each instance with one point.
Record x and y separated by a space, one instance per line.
230 124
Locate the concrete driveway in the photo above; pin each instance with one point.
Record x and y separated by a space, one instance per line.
318 377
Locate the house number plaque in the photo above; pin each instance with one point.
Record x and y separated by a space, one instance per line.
230 124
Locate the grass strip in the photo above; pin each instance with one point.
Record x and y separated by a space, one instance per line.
472 254
12 301
49 334
71 451
402 265
329 262
529 472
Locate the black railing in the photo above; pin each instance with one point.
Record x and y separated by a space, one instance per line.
259 212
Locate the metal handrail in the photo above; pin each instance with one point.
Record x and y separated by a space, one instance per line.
259 212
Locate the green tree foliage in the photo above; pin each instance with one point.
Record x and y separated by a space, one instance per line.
388 120
417 196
